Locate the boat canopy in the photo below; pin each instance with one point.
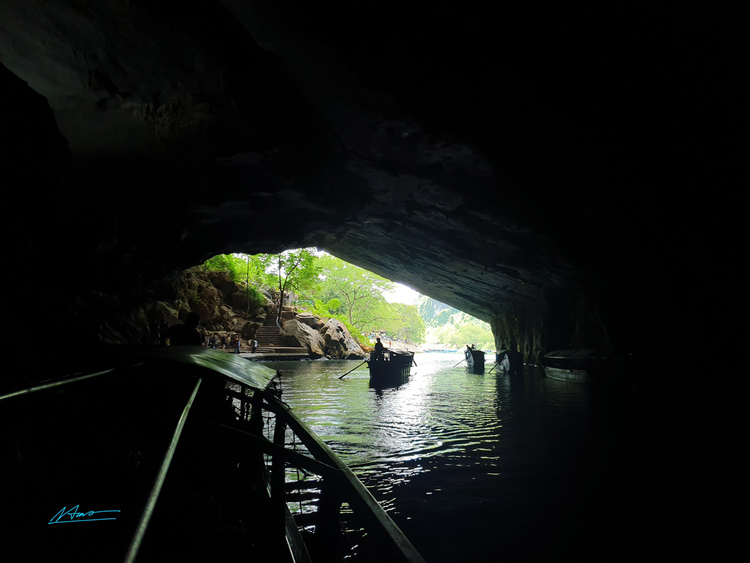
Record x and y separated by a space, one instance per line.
236 368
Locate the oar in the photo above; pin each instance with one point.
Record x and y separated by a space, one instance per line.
351 370
493 367
460 362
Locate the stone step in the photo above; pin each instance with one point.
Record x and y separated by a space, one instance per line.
281 350
269 336
267 344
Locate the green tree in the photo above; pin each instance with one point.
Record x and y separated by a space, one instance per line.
229 263
465 330
359 291
242 269
295 270
404 323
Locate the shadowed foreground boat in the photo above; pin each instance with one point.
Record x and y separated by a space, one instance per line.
586 366
178 454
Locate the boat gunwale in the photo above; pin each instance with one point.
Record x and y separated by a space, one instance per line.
323 462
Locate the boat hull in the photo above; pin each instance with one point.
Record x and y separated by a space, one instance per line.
475 360
585 366
391 369
502 361
574 375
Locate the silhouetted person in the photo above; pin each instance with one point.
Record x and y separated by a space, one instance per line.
515 359
180 335
379 349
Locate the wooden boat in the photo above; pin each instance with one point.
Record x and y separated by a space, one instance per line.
502 361
474 359
390 369
585 366
178 454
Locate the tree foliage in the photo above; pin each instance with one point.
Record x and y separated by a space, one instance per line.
293 270
453 328
404 323
328 287
233 264
360 292
243 269
329 311
462 329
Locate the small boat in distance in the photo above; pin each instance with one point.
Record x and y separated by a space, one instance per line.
474 358
502 360
390 369
585 366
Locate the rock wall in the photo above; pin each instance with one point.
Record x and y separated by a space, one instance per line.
221 303
339 343
300 334
558 319
139 139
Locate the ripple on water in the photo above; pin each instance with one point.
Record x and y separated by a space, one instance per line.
452 454
442 412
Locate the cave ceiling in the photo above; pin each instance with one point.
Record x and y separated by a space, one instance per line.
478 155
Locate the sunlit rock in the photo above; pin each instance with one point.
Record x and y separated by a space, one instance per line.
339 343
299 334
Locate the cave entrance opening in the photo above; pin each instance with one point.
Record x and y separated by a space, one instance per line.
313 284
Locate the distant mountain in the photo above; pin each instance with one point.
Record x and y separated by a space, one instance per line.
434 313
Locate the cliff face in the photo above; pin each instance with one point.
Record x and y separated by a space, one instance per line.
221 304
224 308
502 170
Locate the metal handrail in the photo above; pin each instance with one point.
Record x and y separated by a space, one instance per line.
53 384
267 447
156 490
359 497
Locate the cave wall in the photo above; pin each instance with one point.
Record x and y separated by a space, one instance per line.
558 319
140 138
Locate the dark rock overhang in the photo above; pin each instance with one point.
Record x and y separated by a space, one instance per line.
484 158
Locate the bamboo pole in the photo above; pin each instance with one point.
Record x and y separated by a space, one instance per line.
351 370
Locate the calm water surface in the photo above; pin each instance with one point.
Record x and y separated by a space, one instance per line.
480 467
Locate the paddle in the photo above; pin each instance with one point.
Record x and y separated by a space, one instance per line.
351 370
493 367
460 362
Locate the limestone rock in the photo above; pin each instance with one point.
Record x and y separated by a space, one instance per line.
339 343
304 336
309 319
249 329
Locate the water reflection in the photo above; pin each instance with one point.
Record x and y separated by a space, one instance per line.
486 458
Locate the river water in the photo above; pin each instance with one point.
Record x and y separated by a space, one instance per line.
481 467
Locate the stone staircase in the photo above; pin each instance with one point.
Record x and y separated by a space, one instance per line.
271 342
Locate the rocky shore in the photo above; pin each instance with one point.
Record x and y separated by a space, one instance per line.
228 309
